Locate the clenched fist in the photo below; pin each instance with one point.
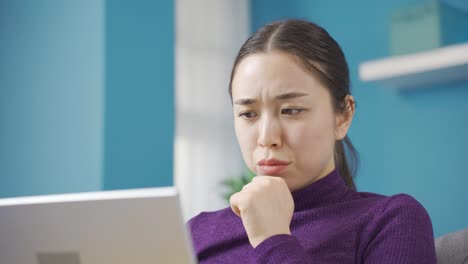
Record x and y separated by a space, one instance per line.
265 206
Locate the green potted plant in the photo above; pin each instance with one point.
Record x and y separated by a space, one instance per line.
235 184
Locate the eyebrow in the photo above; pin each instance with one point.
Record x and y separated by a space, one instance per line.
248 101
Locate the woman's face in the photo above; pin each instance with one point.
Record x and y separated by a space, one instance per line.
284 119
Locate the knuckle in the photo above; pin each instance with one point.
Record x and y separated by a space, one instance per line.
269 183
248 198
279 179
233 198
247 186
247 201
241 200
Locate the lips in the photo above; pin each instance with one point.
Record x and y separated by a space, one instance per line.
272 166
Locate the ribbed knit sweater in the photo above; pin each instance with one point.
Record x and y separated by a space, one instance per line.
331 224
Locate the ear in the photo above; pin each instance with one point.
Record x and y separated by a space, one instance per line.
343 120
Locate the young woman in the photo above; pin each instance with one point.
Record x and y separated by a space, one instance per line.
292 110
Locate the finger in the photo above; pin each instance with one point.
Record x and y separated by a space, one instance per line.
258 177
234 202
263 181
248 187
268 179
245 187
263 178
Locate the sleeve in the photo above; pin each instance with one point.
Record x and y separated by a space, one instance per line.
401 233
280 249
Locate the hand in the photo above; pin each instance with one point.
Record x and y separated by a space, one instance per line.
266 207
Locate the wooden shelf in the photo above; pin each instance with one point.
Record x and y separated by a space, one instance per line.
440 66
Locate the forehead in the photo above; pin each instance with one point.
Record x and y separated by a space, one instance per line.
270 74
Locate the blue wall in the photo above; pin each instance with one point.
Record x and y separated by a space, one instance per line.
86 95
51 85
409 141
139 95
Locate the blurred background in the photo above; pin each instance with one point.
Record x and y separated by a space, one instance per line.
112 94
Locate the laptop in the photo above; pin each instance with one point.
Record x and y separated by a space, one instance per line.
119 227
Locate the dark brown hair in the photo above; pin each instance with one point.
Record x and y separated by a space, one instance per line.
319 54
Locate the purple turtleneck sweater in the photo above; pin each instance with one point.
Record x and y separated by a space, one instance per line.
331 224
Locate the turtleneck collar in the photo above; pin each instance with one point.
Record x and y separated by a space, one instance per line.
326 190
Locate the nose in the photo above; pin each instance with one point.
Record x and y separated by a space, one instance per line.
269 134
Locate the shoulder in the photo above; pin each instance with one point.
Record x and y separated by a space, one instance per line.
400 229
398 205
400 216
403 206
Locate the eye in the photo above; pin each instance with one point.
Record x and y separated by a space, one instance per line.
291 111
248 115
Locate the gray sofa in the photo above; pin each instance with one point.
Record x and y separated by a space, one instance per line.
452 248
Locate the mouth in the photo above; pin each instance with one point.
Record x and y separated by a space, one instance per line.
272 166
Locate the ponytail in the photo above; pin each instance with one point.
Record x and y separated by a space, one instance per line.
346 161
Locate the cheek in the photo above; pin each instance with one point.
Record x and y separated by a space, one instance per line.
311 139
246 140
